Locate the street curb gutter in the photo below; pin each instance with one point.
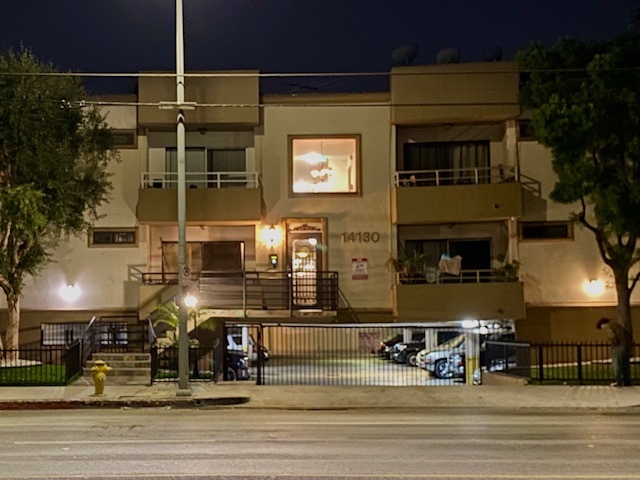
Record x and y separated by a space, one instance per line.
120 403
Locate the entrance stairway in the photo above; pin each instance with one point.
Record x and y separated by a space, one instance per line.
127 368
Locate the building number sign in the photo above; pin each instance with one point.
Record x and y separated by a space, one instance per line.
360 237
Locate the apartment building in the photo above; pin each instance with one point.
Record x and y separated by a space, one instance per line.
428 203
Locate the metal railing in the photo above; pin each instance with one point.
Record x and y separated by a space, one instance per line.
455 176
465 276
250 290
164 363
45 365
466 176
201 180
558 363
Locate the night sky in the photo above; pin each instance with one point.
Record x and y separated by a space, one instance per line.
293 35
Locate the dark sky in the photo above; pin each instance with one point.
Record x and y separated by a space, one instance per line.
293 35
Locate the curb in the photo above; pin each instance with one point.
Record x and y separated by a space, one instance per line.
120 403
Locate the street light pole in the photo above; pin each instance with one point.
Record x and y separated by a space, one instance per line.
183 270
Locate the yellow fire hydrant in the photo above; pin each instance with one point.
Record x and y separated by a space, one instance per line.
99 374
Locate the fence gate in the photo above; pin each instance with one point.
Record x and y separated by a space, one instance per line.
348 355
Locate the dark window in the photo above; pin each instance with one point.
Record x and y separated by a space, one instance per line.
125 138
546 231
525 130
109 237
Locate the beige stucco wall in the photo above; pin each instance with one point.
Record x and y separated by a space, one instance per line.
106 276
369 212
553 271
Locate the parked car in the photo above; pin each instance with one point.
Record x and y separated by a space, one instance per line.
406 352
385 347
234 343
435 360
496 362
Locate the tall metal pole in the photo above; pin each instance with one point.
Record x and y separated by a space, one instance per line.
183 335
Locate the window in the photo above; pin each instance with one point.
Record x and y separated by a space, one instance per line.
125 139
195 167
546 231
113 237
457 162
525 130
325 164
209 168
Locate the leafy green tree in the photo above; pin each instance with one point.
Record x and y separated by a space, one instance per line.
585 102
54 153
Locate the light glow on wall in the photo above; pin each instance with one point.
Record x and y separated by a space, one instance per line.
593 287
271 236
70 293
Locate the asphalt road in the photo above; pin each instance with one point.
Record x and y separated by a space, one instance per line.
267 444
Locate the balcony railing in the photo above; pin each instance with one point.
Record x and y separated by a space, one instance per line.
435 276
259 291
201 180
465 176
455 176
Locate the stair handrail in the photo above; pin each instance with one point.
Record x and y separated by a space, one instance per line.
87 341
343 304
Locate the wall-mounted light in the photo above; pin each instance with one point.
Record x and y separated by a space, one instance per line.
594 287
271 236
70 292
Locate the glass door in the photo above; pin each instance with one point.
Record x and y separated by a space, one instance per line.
305 245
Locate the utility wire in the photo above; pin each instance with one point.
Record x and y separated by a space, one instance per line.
311 74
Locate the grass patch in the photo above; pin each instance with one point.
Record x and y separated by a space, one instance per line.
33 375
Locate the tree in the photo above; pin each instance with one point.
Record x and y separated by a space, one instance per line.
585 101
54 153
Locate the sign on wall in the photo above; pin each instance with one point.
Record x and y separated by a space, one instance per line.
359 269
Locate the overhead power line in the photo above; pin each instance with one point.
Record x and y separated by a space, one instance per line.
307 74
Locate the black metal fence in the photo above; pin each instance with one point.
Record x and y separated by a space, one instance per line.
46 365
264 291
558 363
164 364
348 355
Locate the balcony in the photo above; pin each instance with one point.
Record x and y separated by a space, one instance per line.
459 195
227 100
474 294
209 197
250 294
454 93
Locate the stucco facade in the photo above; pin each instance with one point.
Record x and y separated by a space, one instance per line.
379 217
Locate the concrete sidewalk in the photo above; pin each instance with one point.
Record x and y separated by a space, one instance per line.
249 395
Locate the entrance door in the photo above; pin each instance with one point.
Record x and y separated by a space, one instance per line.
305 259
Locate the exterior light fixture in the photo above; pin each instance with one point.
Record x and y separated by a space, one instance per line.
70 292
594 287
272 236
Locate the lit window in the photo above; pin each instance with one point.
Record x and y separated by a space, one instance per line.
325 164
111 237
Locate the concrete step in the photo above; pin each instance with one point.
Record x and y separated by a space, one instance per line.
121 372
120 380
117 364
111 357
